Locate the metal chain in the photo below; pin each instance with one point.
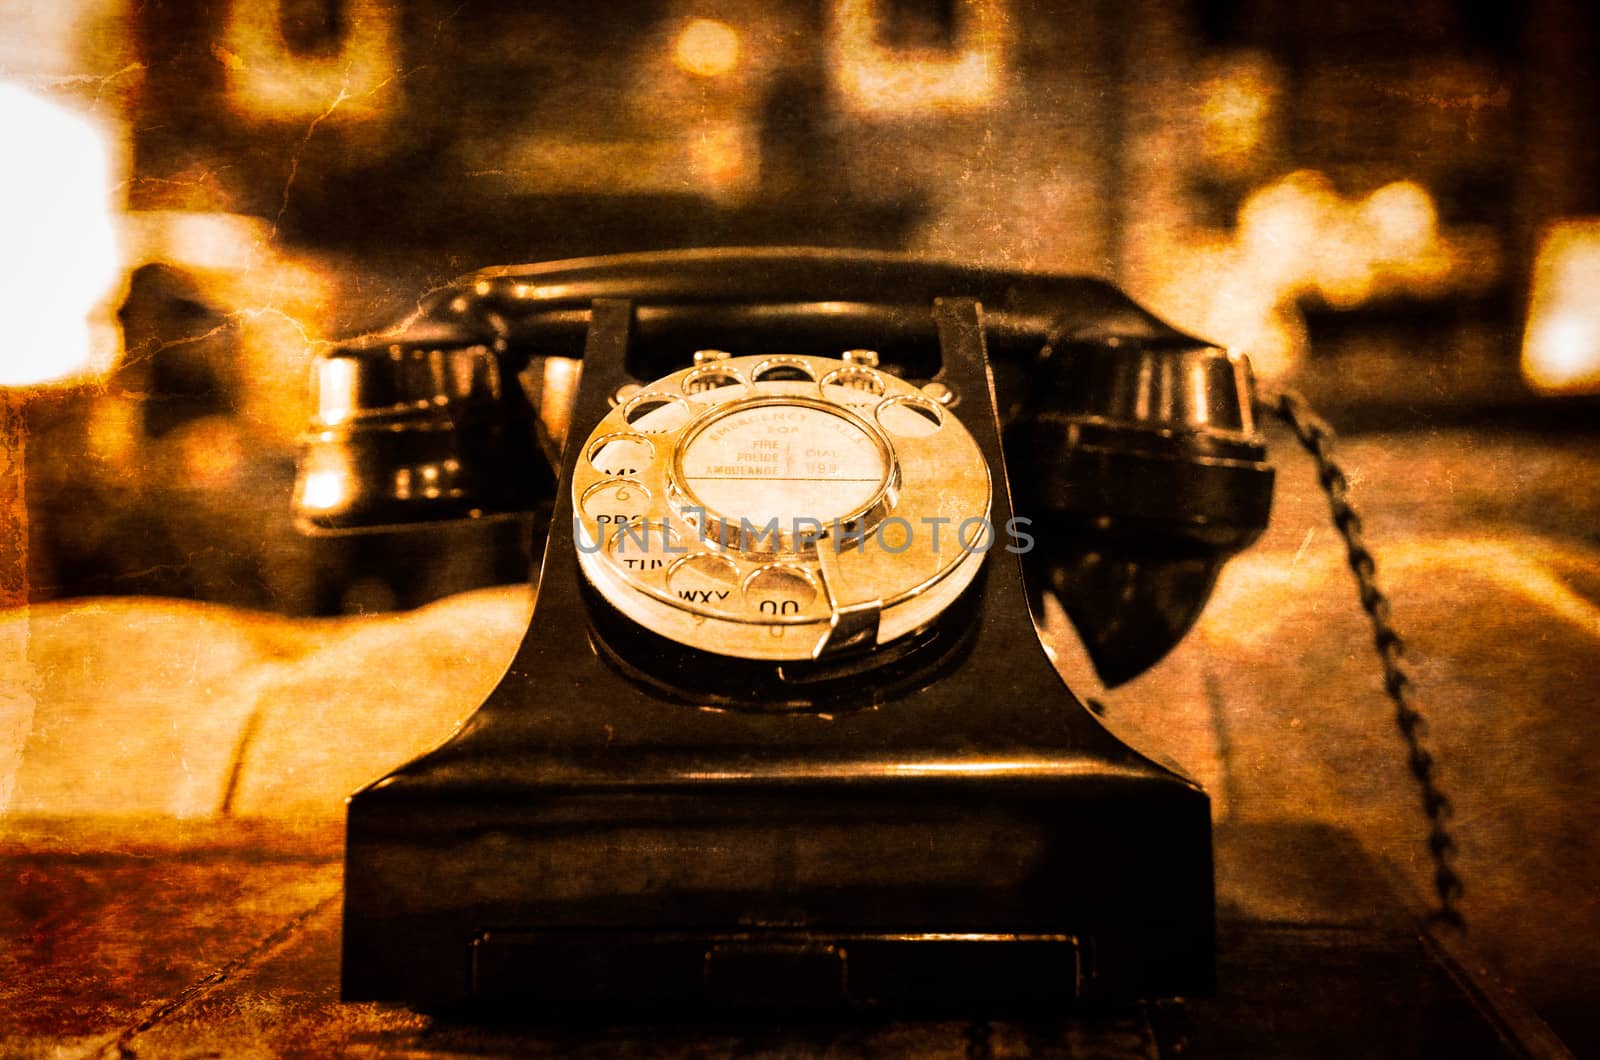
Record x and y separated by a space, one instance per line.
1317 438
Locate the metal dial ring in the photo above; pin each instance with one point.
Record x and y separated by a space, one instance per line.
737 530
787 515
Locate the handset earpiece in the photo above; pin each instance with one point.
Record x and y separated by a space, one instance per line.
1148 475
420 429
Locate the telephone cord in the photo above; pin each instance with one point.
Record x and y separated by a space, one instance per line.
1317 438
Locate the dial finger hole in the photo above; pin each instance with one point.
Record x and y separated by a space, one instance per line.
644 546
615 502
783 370
704 578
656 413
621 455
778 590
861 380
910 417
706 380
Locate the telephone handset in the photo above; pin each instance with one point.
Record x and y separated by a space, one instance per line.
781 731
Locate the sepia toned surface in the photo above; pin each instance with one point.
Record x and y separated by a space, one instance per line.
210 714
1390 207
1315 962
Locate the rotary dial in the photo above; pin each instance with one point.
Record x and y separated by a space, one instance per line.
781 508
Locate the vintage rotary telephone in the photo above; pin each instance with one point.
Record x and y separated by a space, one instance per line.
781 731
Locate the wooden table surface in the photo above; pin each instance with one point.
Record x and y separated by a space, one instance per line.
171 777
221 939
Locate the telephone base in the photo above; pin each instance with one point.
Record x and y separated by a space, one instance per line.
1071 879
952 824
776 969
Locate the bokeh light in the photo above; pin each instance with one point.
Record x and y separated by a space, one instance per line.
358 76
876 79
707 47
1401 219
1561 350
60 263
1237 106
1298 238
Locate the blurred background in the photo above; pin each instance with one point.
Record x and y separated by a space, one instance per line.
1388 205
1393 207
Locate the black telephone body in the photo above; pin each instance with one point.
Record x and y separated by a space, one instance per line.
916 816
